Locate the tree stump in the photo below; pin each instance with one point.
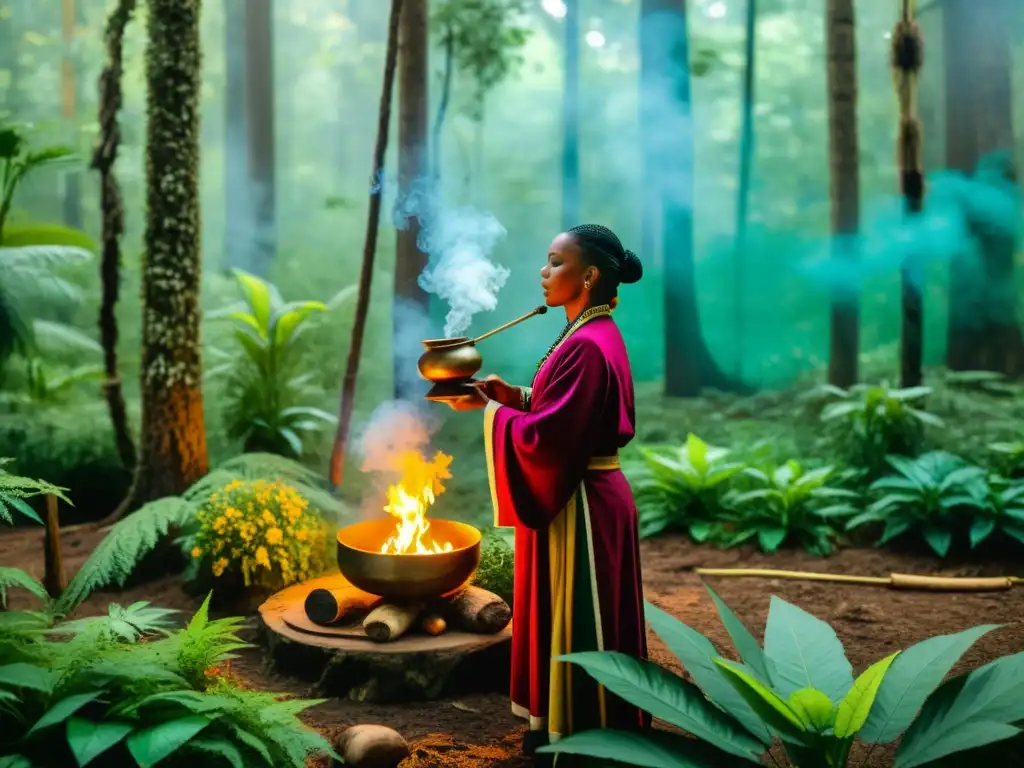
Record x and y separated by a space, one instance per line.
342 661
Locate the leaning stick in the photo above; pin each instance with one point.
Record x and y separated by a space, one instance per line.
902 581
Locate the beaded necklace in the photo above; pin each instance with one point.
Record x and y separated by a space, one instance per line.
601 310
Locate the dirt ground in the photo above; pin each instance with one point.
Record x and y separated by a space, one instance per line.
479 731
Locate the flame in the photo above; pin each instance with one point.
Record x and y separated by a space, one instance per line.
418 486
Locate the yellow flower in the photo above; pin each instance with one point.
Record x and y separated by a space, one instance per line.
219 566
196 552
274 536
262 558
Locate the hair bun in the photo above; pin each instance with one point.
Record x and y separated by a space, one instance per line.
632 270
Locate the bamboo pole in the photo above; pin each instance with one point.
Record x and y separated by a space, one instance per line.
901 581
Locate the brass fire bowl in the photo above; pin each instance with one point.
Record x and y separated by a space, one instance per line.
455 359
407 577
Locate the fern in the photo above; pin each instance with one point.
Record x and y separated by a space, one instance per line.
127 624
14 489
122 549
15 577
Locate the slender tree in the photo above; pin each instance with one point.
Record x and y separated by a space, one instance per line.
571 116
69 63
844 162
746 169
172 449
906 58
112 225
355 348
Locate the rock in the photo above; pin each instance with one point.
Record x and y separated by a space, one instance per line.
371 746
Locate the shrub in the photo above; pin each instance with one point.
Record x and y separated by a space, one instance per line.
496 569
789 503
682 487
800 688
264 532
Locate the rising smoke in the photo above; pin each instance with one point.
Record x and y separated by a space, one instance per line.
459 241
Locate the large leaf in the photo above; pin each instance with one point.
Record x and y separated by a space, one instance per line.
913 676
258 296
88 740
46 234
15 577
768 704
697 655
854 709
649 750
22 675
813 707
151 745
805 652
966 713
64 709
746 644
666 697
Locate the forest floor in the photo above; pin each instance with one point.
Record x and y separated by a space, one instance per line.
479 731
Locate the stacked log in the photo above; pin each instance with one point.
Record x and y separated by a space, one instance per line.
470 609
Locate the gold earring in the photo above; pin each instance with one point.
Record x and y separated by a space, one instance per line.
586 284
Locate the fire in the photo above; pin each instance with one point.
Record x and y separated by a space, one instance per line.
418 486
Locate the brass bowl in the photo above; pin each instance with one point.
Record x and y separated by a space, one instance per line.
407 577
449 359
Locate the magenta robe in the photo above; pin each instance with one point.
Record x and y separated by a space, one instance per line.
554 477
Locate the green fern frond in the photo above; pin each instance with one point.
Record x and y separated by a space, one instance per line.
14 489
121 550
128 624
15 577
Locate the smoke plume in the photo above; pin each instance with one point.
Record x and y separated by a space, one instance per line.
458 242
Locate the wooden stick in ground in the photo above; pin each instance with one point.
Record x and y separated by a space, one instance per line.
54 579
902 581
389 621
355 347
476 610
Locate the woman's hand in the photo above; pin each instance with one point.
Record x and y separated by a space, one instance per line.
494 388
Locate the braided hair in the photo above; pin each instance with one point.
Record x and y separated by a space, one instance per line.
601 248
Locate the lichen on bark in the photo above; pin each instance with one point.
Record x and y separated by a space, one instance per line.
172 452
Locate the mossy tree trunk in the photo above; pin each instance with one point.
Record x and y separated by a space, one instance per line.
112 211
844 161
172 451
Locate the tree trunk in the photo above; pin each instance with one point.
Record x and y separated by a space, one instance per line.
355 348
571 117
983 333
743 193
237 251
907 51
172 453
844 161
412 169
112 225
72 192
666 109
259 131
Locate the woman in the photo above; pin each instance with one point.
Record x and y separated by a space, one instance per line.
552 452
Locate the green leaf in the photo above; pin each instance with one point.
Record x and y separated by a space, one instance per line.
855 707
813 708
913 676
220 747
667 697
253 742
15 761
88 740
764 701
746 644
15 577
771 538
22 675
804 652
981 529
697 655
649 749
151 745
259 298
939 539
967 712
63 709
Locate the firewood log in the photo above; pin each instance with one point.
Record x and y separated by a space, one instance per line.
330 606
389 621
476 610
433 624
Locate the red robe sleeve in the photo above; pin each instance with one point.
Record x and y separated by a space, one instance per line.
537 458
